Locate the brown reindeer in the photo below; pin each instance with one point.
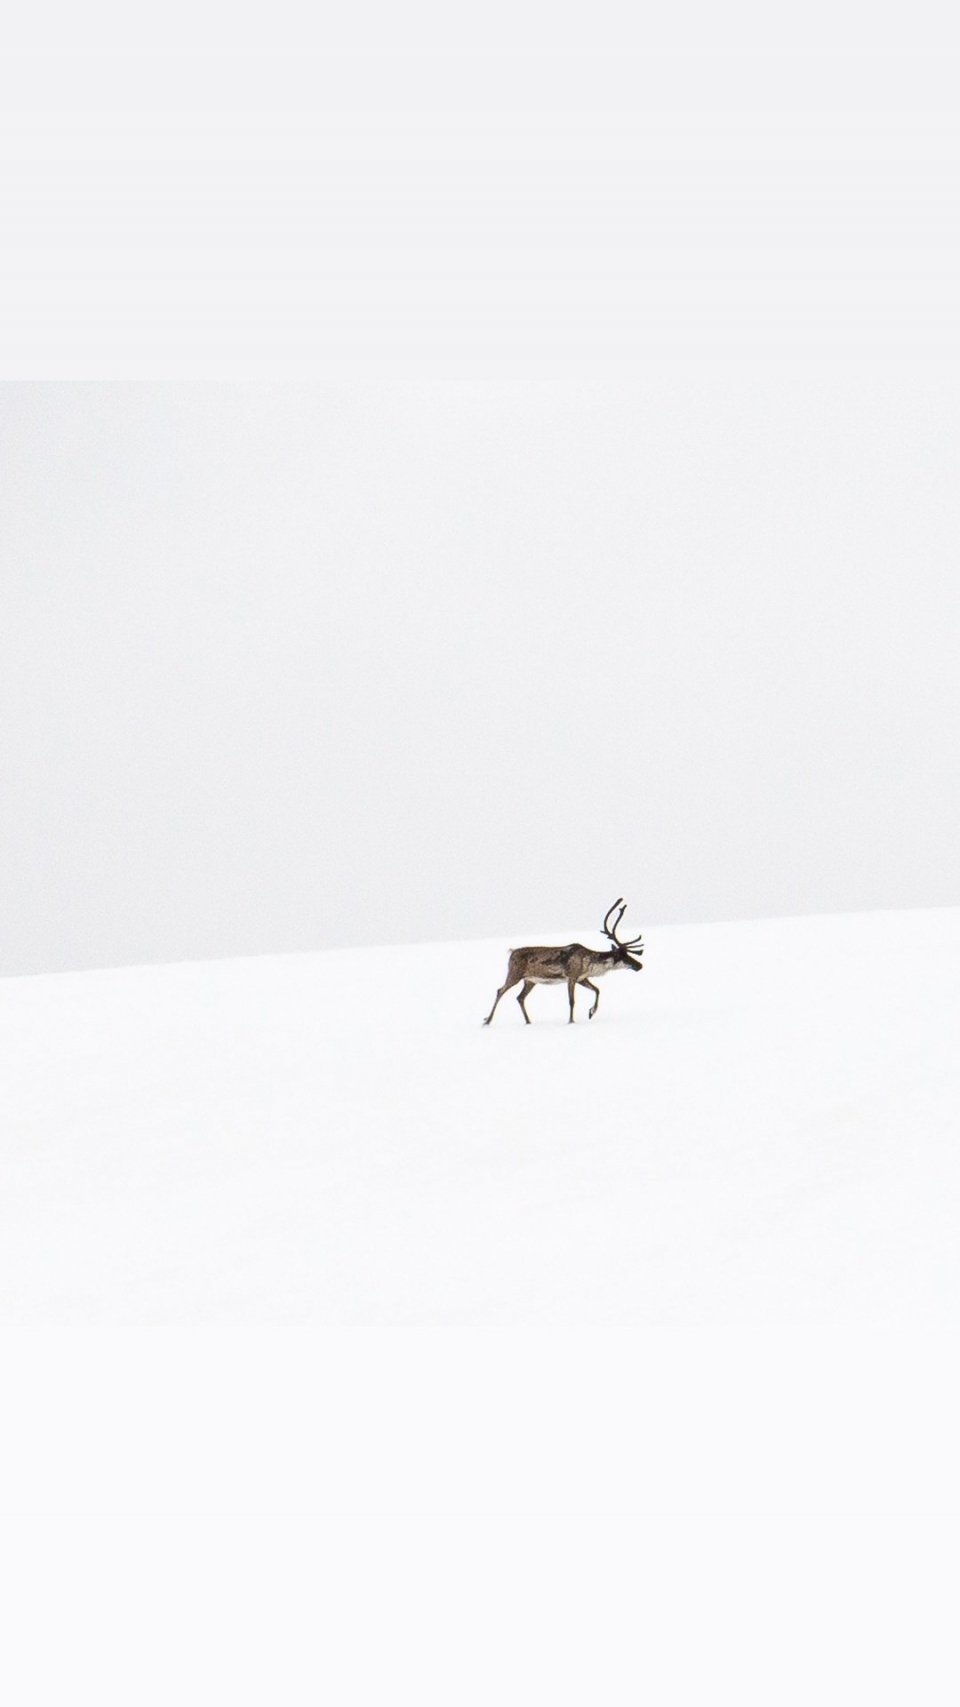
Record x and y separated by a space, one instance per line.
571 965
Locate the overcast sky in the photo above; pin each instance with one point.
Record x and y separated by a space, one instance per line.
610 543
286 668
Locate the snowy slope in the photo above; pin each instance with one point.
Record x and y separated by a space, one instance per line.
765 1126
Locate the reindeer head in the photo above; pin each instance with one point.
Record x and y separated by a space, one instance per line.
625 953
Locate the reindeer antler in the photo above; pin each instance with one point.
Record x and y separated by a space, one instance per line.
607 931
611 930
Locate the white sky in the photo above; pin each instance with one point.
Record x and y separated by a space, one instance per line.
610 541
288 668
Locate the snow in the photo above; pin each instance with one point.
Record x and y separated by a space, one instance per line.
694 1437
760 1127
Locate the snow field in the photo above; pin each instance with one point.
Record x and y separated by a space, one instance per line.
762 1126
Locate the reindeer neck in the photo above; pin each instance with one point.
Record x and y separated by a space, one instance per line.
605 959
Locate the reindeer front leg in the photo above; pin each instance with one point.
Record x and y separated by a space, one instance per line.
571 989
596 995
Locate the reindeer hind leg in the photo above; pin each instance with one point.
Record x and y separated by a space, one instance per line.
501 992
522 999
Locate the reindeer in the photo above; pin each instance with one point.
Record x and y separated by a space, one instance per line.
572 965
